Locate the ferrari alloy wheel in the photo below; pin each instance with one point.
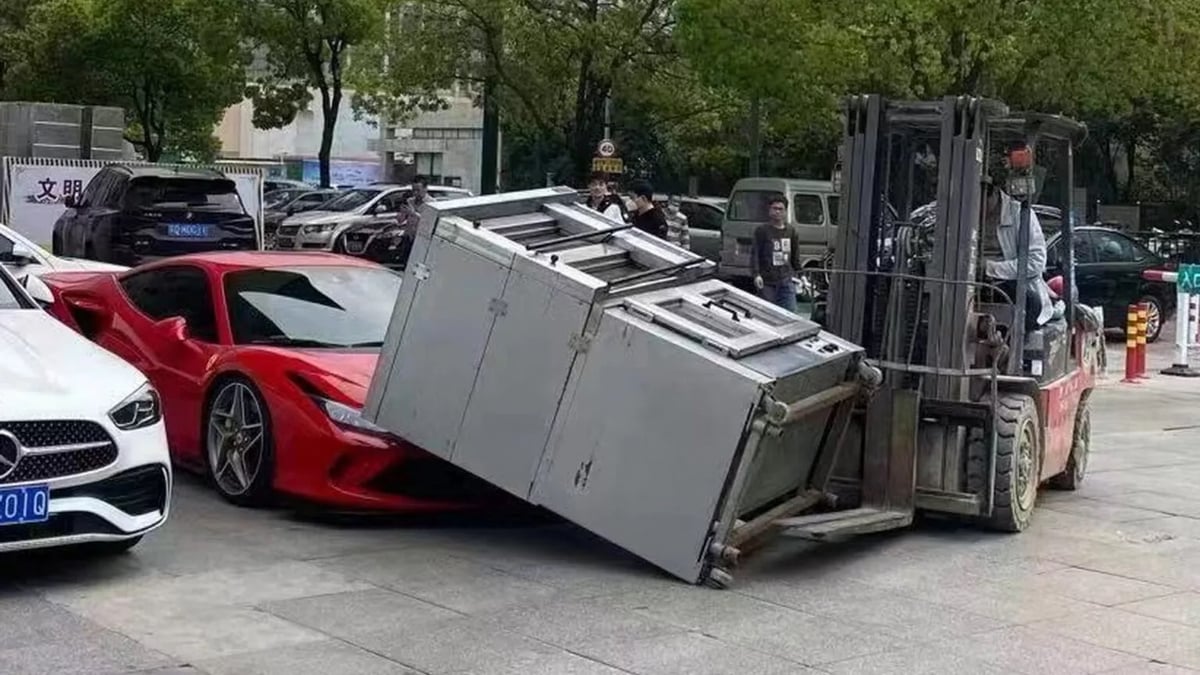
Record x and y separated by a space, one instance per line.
238 443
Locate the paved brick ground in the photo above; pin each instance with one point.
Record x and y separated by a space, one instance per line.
1107 580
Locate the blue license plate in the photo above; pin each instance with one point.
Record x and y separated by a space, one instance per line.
29 504
187 230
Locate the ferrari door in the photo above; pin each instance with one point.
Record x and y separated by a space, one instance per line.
165 324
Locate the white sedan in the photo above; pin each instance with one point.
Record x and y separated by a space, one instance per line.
21 256
83 449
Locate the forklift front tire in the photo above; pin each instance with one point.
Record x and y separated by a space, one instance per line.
1018 463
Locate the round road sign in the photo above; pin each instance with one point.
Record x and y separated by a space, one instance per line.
607 148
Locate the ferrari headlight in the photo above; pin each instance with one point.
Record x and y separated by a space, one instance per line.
141 409
347 416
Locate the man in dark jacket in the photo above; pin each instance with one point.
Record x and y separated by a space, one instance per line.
647 216
775 257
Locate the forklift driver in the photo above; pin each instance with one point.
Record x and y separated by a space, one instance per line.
1002 222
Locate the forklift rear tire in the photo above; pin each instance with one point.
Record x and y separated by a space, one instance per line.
1018 462
1072 477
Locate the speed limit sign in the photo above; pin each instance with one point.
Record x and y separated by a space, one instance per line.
606 148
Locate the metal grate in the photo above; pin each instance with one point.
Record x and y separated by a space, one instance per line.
42 434
136 491
45 433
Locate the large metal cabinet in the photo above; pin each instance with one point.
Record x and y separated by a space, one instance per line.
597 371
492 313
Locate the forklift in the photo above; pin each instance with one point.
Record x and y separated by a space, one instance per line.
979 405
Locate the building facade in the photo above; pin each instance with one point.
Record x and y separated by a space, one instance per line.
443 145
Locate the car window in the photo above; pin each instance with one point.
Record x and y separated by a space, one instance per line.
348 201
154 192
175 291
391 203
1111 247
314 198
1083 250
834 203
808 209
9 298
311 306
89 193
114 191
751 205
701 216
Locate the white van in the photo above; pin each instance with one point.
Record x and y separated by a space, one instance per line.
812 210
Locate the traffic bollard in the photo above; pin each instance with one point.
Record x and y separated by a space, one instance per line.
1131 351
1143 313
1183 328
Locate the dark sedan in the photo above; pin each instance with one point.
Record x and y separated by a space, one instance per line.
1108 274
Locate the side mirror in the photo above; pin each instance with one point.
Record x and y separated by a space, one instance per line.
174 328
38 290
22 255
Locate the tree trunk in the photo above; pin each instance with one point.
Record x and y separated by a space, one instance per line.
755 136
330 103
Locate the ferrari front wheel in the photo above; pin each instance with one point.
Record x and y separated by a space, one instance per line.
238 448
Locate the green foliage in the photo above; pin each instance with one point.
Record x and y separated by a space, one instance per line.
173 65
306 44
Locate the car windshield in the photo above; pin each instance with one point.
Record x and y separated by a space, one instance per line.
156 192
280 197
311 306
350 200
751 205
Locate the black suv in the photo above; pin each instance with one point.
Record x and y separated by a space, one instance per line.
131 214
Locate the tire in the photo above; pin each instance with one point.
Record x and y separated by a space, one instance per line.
1015 494
338 246
1154 309
103 549
1072 477
237 433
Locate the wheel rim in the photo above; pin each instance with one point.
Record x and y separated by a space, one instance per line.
1152 319
1026 487
235 438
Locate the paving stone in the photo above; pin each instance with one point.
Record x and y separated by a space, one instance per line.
561 663
460 644
1178 569
1125 631
449 581
1100 510
313 658
1012 601
95 651
688 654
1180 608
1025 650
932 659
575 623
804 638
28 619
354 613
1150 668
1095 587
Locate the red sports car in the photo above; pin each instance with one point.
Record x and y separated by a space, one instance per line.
263 361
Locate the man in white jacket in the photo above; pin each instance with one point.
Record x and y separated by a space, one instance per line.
1003 221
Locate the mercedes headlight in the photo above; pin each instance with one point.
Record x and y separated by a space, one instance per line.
141 409
348 416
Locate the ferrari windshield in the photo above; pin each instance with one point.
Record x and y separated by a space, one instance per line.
317 306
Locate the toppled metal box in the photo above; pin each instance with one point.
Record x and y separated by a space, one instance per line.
596 371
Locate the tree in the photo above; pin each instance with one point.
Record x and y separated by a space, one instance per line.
553 64
306 45
13 16
173 65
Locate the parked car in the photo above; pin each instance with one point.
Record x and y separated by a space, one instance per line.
1108 274
812 210
390 242
298 201
83 452
704 216
127 215
276 197
20 256
263 360
276 184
